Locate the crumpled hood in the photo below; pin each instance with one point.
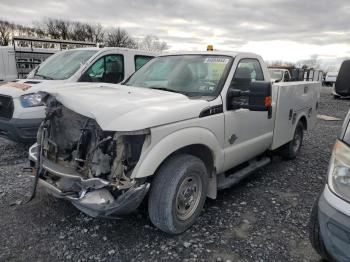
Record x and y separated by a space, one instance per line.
26 86
124 108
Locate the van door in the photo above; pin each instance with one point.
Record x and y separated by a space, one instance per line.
10 66
247 133
107 69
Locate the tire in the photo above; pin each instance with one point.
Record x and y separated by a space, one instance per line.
315 234
292 149
168 209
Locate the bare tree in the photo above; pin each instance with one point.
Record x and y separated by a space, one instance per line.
120 38
6 29
153 43
96 33
78 31
57 28
63 28
86 32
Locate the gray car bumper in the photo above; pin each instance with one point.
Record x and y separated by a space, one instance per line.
20 130
335 230
92 196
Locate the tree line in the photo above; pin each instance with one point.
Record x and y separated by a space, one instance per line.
79 31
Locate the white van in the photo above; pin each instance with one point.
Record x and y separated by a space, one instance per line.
331 78
21 109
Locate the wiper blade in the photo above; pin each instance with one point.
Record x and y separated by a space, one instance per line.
44 77
166 89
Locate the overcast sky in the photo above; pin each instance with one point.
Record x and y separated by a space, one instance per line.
277 29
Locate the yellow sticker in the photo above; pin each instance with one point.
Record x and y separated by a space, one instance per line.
21 86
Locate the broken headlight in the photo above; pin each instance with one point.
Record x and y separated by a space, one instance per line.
339 170
31 100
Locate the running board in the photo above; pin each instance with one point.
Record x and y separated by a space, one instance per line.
232 179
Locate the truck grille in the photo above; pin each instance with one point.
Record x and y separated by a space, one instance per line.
6 107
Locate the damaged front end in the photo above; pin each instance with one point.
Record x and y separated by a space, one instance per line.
74 159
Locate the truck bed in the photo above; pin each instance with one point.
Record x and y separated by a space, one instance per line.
294 101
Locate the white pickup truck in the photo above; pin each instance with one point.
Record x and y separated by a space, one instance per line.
21 110
278 75
182 127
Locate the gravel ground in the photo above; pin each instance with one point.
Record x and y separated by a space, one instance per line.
264 218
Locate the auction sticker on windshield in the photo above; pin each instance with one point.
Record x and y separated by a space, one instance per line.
216 60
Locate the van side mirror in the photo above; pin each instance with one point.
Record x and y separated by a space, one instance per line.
259 97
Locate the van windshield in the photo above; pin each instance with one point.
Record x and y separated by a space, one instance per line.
192 75
62 65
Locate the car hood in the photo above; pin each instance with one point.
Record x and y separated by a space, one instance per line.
26 86
125 108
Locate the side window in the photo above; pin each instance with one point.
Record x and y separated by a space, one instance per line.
140 61
247 71
107 69
286 77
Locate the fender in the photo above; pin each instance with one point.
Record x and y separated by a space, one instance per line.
154 156
301 115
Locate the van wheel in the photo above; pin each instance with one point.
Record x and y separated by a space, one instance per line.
292 149
178 193
315 234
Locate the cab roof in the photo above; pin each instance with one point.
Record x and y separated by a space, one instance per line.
225 53
121 49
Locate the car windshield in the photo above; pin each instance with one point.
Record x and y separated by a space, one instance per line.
192 75
62 65
276 74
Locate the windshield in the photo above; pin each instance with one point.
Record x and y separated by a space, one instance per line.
276 73
192 75
62 65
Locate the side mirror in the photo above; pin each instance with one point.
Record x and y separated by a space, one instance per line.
259 97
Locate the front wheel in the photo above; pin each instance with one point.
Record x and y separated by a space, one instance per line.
315 233
178 193
291 150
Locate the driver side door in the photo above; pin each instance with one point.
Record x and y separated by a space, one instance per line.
247 133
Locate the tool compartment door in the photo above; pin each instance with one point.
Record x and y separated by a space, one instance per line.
294 100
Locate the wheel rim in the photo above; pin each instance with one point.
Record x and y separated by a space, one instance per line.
297 140
188 197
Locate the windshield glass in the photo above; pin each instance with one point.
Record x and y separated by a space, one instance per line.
62 65
276 74
192 75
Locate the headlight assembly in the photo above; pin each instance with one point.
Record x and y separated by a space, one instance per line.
31 100
339 171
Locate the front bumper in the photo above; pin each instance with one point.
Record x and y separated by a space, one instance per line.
20 130
335 227
93 196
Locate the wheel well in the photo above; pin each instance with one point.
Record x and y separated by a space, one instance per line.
202 152
198 150
304 122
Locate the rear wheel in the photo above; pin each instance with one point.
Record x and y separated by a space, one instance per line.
291 150
178 193
315 233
